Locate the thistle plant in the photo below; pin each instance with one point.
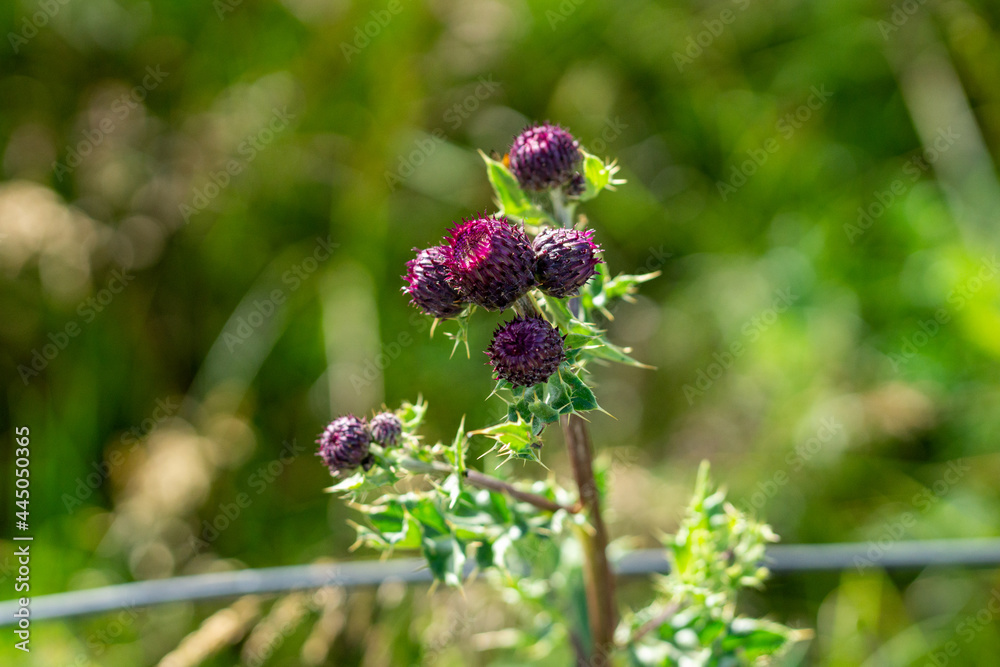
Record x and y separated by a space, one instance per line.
534 261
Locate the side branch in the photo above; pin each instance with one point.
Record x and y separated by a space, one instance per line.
483 481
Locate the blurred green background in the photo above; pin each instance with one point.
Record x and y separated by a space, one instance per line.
206 208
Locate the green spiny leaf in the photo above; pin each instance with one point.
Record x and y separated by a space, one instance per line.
598 175
456 454
352 483
543 412
755 638
581 396
412 415
557 394
461 337
424 509
558 311
445 558
514 436
512 200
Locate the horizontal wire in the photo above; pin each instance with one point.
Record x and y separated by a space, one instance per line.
780 559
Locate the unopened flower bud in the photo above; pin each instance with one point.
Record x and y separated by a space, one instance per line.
385 428
343 445
544 157
565 260
526 351
428 288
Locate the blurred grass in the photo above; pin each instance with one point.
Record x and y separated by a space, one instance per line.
840 354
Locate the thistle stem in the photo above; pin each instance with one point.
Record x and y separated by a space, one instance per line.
483 481
598 578
526 306
563 211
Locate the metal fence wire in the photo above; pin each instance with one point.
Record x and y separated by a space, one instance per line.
780 559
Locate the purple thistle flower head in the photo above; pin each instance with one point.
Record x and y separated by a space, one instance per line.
343 445
544 156
427 284
490 262
385 428
526 351
566 260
